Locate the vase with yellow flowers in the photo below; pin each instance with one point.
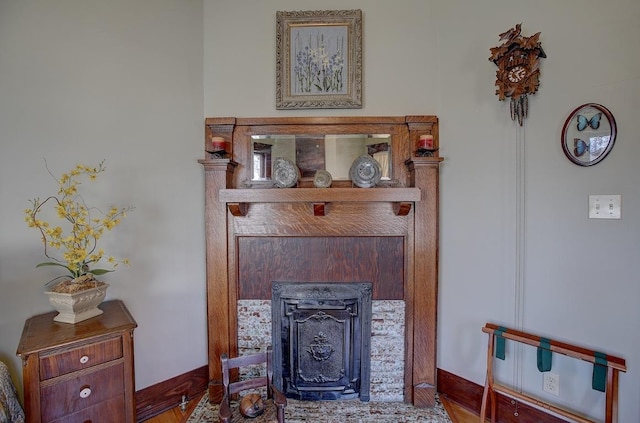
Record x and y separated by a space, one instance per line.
71 243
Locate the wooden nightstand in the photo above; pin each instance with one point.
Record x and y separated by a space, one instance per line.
79 372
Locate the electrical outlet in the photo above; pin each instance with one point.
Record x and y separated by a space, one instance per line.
551 383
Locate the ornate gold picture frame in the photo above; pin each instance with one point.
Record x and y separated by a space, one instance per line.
319 59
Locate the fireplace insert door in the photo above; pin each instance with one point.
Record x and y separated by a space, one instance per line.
321 339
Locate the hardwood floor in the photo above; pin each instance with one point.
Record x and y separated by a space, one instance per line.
176 415
459 414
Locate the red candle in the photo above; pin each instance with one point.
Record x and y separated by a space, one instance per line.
425 142
217 143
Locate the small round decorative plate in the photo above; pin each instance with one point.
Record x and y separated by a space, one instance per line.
365 171
285 173
322 179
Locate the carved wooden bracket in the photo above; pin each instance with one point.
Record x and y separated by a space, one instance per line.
238 209
402 208
320 209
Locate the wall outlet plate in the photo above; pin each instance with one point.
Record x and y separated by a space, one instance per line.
607 206
551 383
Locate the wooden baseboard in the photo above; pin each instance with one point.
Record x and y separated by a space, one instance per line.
469 395
165 395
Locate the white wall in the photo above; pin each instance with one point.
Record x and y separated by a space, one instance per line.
127 82
82 81
579 277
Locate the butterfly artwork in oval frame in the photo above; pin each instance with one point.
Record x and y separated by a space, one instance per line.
588 134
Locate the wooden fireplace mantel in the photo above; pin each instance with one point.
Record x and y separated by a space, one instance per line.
405 208
238 200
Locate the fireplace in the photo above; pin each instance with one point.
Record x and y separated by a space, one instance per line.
321 340
386 236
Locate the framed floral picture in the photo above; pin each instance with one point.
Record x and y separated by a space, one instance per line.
319 59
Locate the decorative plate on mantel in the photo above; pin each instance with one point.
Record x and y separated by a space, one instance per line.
322 179
285 173
365 171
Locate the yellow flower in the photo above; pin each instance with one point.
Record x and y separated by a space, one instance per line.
79 242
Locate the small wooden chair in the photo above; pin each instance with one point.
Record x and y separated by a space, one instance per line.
275 401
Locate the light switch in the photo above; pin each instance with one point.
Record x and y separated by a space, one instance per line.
607 206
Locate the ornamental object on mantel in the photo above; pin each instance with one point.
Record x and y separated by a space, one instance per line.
518 61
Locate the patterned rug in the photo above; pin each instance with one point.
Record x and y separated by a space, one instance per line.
339 412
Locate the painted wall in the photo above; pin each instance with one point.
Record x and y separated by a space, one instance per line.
132 82
83 81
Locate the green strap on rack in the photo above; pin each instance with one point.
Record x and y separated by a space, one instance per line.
500 342
599 380
544 355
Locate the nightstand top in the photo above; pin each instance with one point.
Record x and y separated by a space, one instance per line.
41 332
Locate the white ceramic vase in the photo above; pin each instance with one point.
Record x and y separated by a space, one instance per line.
79 306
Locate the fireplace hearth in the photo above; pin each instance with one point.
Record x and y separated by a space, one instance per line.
322 340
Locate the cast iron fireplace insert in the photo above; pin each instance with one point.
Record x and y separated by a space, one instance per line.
322 340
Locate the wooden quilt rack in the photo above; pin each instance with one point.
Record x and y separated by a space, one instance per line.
613 366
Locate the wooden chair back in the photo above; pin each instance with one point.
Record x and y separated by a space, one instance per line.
231 369
231 364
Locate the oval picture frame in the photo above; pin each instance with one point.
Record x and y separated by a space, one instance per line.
588 134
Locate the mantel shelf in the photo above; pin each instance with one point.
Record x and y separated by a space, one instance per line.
238 200
318 195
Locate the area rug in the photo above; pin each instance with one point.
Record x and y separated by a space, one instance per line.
339 412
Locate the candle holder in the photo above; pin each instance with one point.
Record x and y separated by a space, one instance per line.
426 146
218 148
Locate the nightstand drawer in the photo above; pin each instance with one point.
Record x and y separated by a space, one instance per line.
70 396
79 372
61 363
111 410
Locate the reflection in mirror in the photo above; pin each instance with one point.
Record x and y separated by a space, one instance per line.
333 153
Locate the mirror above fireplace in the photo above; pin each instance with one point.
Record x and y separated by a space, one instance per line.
312 152
314 143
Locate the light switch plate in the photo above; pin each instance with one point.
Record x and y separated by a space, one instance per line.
606 206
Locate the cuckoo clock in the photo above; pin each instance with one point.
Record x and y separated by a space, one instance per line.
518 61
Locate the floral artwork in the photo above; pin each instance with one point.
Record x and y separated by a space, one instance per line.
319 59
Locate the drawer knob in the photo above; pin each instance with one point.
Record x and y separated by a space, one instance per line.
84 359
85 392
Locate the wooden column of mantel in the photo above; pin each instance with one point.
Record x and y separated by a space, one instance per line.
221 314
424 173
414 200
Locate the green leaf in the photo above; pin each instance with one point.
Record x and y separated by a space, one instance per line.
99 272
52 263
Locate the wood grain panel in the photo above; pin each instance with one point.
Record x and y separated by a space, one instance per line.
61 362
342 219
113 408
64 398
263 260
